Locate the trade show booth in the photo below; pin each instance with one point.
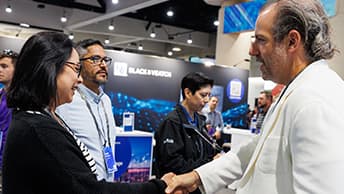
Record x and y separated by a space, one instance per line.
149 87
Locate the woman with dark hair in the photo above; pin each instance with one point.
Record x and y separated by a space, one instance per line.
42 155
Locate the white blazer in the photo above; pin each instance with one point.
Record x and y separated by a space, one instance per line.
301 148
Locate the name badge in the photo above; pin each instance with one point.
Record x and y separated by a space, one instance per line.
109 160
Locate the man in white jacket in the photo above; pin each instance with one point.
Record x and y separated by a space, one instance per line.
300 149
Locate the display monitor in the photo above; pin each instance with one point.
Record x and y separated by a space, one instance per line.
330 7
242 16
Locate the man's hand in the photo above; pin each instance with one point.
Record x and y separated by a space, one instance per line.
183 183
168 179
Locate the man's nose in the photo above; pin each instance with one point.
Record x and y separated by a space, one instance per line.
253 51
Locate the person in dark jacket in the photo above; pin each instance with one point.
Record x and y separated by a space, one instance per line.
42 155
182 141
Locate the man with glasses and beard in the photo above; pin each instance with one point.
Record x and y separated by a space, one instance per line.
90 115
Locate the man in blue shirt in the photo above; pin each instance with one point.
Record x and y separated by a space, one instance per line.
214 117
90 115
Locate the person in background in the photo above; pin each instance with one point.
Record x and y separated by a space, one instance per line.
264 103
300 149
42 154
211 130
182 141
214 117
90 115
8 59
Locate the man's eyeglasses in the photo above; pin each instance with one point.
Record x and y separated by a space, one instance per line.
76 67
97 60
9 53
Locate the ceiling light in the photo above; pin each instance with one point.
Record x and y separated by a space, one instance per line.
63 18
107 41
24 25
169 53
111 27
176 49
189 41
8 9
140 47
152 34
114 1
216 22
71 36
169 13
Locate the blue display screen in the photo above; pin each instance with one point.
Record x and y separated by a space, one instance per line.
330 7
242 16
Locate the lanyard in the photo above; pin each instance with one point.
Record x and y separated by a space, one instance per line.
100 132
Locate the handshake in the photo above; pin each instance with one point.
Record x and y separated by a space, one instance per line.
181 184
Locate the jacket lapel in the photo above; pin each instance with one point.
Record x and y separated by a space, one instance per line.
273 114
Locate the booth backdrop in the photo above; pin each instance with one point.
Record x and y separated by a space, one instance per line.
150 87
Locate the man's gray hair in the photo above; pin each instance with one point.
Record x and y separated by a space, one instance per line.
81 47
310 20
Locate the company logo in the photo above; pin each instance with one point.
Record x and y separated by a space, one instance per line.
120 69
235 90
149 72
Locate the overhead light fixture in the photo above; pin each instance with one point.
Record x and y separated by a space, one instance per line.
152 34
63 18
140 47
189 41
114 1
8 9
71 36
24 25
169 13
176 49
107 41
111 26
169 53
216 22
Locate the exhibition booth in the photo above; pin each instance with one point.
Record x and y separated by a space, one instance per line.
149 86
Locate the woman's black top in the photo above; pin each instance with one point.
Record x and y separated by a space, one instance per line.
43 157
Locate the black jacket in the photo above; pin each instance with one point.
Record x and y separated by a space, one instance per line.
42 157
180 149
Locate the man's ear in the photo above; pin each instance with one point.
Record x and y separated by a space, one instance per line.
294 39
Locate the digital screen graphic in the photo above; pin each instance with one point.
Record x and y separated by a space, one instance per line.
242 16
133 158
148 113
149 87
